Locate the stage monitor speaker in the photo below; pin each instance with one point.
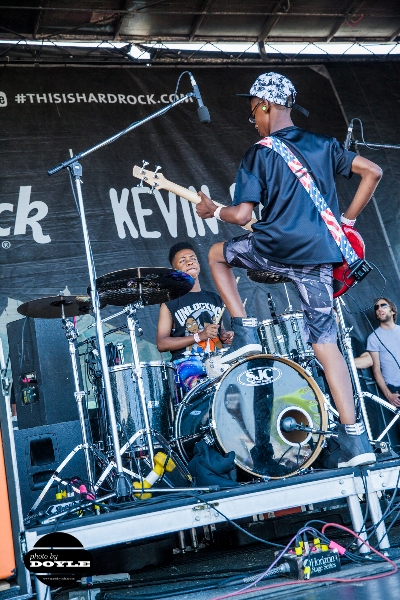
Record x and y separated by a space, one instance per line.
43 382
39 452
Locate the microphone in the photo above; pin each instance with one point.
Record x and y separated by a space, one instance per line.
348 136
289 424
202 111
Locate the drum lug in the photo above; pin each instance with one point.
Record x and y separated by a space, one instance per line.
164 372
212 424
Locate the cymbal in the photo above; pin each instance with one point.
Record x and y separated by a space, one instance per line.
51 307
150 285
266 277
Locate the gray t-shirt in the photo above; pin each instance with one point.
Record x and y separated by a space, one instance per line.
391 339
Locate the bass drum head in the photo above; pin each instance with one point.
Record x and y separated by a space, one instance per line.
193 417
251 400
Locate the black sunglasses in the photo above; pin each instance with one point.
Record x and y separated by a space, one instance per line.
251 118
385 305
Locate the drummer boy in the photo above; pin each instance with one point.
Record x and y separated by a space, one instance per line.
188 326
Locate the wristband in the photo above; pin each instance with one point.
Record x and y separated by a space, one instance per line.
217 213
196 337
345 221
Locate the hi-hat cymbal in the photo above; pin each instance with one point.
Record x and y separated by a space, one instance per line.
149 285
266 277
51 307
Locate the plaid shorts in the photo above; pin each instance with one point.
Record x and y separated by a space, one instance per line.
313 284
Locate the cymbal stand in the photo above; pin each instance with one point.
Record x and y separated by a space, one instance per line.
133 323
71 334
289 307
345 342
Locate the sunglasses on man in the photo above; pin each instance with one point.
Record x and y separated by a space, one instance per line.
251 118
384 305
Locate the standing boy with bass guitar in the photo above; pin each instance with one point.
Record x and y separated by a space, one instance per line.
291 172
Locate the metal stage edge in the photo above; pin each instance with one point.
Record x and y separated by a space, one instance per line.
150 519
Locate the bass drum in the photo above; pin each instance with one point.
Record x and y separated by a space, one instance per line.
243 409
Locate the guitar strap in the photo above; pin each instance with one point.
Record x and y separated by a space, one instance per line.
311 188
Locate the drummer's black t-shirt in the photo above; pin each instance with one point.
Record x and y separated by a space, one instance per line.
192 313
291 230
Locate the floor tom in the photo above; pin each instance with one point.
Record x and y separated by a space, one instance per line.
160 387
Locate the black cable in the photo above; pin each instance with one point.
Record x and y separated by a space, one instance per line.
362 135
380 341
177 84
388 511
363 310
143 580
254 537
227 582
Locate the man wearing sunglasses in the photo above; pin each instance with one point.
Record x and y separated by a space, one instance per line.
384 347
292 239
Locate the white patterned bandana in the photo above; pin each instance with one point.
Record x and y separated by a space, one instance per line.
275 88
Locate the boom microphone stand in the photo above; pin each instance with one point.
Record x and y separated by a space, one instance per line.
123 486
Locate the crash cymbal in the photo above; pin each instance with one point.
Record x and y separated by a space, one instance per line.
150 285
51 307
266 277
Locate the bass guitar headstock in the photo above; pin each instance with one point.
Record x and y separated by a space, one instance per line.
154 179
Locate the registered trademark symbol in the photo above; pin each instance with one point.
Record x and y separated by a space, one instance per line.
6 245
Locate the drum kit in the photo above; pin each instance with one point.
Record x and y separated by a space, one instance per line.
244 407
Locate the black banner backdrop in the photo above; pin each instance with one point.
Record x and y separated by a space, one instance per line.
48 110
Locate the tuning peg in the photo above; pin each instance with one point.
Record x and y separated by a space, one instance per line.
158 167
153 187
141 182
145 163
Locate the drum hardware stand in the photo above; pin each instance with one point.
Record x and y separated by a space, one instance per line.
56 477
167 446
289 307
123 485
121 312
71 334
133 323
345 341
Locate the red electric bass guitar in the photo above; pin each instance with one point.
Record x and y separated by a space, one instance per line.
343 276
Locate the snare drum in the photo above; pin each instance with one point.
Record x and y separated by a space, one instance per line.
285 336
243 409
160 387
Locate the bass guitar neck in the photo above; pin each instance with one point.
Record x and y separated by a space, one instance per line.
159 182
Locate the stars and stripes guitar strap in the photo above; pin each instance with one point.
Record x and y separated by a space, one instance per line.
311 188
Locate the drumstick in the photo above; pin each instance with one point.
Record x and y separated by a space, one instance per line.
224 307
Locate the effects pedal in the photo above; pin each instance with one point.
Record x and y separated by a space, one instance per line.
305 563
